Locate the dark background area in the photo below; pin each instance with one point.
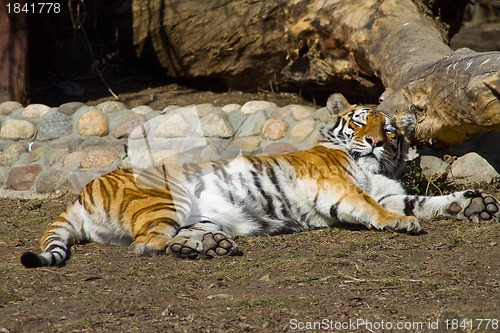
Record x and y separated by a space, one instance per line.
85 51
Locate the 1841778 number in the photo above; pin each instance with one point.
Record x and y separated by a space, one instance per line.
34 8
472 324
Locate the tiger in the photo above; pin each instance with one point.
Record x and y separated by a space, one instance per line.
195 210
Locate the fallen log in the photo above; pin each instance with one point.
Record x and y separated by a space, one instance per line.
360 48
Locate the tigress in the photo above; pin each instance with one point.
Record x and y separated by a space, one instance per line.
192 212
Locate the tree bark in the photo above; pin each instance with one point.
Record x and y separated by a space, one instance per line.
356 47
454 94
13 54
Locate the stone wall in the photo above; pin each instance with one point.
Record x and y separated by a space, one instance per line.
45 151
48 150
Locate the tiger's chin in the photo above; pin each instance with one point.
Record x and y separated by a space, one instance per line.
370 163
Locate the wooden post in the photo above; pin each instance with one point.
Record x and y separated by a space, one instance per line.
13 54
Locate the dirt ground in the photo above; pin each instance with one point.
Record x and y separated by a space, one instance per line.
447 280
333 278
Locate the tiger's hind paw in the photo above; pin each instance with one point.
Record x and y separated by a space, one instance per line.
184 248
481 207
219 244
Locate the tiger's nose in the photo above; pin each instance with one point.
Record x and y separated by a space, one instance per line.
374 141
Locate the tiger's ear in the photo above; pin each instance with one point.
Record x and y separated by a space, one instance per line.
337 104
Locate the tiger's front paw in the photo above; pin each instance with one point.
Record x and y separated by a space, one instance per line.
480 206
219 244
409 224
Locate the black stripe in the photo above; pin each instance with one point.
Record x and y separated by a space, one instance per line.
152 208
265 201
409 206
334 211
347 160
52 259
269 202
385 197
53 236
286 206
258 219
270 209
243 180
223 176
174 193
87 199
55 246
108 190
200 187
146 228
421 201
132 194
193 225
148 180
225 191
256 180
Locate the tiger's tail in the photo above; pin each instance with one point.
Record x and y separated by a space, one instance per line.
51 258
56 242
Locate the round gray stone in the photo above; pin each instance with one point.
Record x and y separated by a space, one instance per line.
70 108
54 126
49 180
252 125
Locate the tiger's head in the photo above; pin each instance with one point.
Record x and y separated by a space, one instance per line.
371 137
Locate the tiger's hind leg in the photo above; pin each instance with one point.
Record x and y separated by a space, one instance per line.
153 237
203 239
473 205
154 230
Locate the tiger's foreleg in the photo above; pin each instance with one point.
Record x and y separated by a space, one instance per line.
355 206
471 205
